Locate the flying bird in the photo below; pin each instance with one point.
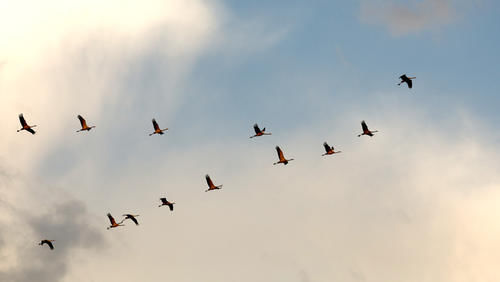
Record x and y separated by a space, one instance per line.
84 124
26 127
366 131
165 202
329 150
406 79
48 242
113 222
131 217
211 185
259 132
157 128
281 157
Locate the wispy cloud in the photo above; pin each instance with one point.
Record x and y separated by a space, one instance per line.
402 18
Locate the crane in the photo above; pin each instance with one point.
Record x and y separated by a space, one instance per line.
48 242
329 150
366 131
131 217
157 128
84 124
281 157
113 222
259 132
211 185
407 80
25 125
165 202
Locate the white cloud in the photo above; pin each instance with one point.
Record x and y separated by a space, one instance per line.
402 18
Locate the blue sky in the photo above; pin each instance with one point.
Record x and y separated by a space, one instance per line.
417 202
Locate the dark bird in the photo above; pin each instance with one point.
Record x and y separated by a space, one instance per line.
131 217
48 242
259 132
406 79
366 131
26 127
211 185
281 157
113 222
84 124
164 202
157 128
329 150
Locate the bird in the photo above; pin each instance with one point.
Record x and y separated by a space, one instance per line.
26 127
281 157
165 202
157 128
113 222
211 185
329 150
84 124
131 217
366 131
48 242
406 79
259 132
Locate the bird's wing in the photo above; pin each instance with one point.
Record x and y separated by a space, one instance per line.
133 219
409 83
51 246
82 121
280 153
364 126
327 148
209 181
22 120
155 125
256 128
163 200
171 206
31 130
111 219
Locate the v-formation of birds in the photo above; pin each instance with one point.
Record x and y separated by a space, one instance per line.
329 150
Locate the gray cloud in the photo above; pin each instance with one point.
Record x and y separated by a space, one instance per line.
403 18
63 219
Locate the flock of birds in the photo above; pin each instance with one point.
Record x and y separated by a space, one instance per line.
329 150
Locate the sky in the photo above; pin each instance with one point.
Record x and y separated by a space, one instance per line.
416 202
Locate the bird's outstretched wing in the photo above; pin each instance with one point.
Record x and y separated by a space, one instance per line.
111 219
257 129
164 201
82 121
280 153
30 130
209 181
327 148
364 126
410 83
22 120
155 125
